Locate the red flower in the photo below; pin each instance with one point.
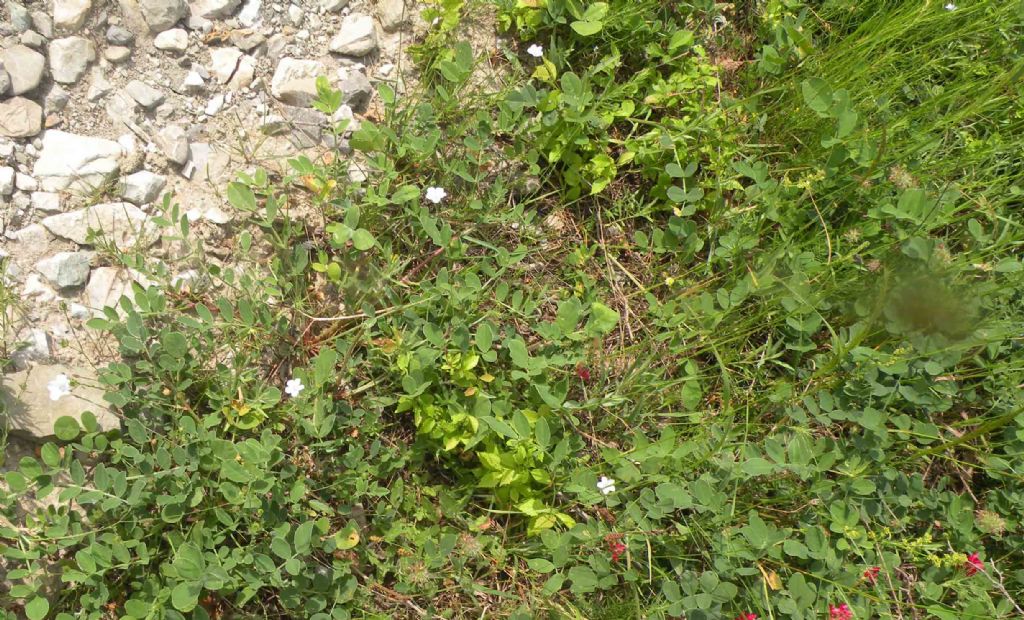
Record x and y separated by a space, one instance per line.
617 549
746 616
871 574
583 373
974 564
840 612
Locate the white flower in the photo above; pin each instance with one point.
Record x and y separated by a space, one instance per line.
535 50
606 485
293 387
436 194
950 7
59 386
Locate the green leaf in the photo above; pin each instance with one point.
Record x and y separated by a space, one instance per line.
174 343
66 428
757 466
241 196
795 548
484 336
347 538
583 579
572 88
280 547
37 608
680 38
185 595
405 194
817 95
517 351
50 455
587 28
188 561
303 536
363 240
676 194
542 432
602 319
540 565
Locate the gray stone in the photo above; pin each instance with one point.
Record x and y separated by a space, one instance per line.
35 289
244 74
357 36
25 182
173 143
32 412
392 14
75 163
6 181
356 173
247 40
66 269
69 15
69 58
108 284
333 6
306 126
56 100
117 54
224 62
120 223
46 202
163 14
25 67
275 45
42 22
99 86
142 187
193 83
33 347
249 16
295 15
214 105
122 110
33 39
79 312
20 18
213 9
5 81
199 24
119 35
294 81
173 40
356 89
147 96
344 113
20 118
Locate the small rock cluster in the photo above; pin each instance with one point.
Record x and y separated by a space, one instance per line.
107 106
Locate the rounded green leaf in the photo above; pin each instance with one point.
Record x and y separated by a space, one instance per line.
66 428
37 608
241 197
185 595
362 239
586 28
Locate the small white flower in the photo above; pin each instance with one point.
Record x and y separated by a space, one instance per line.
606 485
950 6
293 387
535 50
436 194
59 386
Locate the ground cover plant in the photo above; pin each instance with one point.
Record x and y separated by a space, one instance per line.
699 310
